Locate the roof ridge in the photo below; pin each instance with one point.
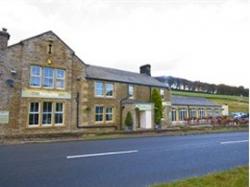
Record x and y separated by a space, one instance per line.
118 70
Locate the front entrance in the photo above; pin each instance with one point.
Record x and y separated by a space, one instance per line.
146 119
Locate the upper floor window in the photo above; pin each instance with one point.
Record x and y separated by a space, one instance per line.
162 93
99 88
59 78
130 91
35 76
104 89
47 77
109 89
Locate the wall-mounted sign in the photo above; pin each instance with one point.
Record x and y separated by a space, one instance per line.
46 94
167 103
143 107
4 116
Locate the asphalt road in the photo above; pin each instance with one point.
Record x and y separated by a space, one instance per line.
124 162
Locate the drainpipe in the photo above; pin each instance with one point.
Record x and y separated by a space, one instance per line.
77 110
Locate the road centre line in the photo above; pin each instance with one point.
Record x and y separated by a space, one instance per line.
232 142
101 154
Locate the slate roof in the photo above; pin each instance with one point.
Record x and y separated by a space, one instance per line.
193 101
110 74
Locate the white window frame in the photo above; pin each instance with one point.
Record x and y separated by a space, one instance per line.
201 112
162 92
112 84
39 76
101 114
173 117
131 95
60 79
109 113
96 82
42 113
58 112
38 112
53 78
182 113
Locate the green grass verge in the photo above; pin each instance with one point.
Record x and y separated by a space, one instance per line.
234 106
237 177
235 103
212 96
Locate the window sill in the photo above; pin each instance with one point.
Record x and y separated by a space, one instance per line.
99 126
44 126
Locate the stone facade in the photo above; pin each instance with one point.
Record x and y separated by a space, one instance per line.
78 96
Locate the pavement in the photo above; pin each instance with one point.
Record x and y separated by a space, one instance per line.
121 162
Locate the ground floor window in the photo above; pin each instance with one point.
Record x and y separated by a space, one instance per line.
182 114
173 115
47 113
109 114
34 114
99 113
192 113
51 113
201 113
104 113
58 114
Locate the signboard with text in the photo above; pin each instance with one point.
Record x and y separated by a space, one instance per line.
46 94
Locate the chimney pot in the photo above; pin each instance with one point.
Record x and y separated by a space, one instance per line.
4 37
145 69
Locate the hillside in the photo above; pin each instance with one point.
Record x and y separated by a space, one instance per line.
235 103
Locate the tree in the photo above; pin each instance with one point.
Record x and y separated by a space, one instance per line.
156 99
129 120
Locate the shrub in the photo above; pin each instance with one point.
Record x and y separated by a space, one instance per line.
129 120
156 99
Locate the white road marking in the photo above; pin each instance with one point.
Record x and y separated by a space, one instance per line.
231 142
102 154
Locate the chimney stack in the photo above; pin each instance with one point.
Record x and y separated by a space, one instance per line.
4 37
145 69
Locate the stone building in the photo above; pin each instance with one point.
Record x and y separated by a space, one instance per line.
46 88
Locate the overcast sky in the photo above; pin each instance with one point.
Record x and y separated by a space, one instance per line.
206 40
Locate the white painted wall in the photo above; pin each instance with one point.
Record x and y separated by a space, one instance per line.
146 119
225 110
